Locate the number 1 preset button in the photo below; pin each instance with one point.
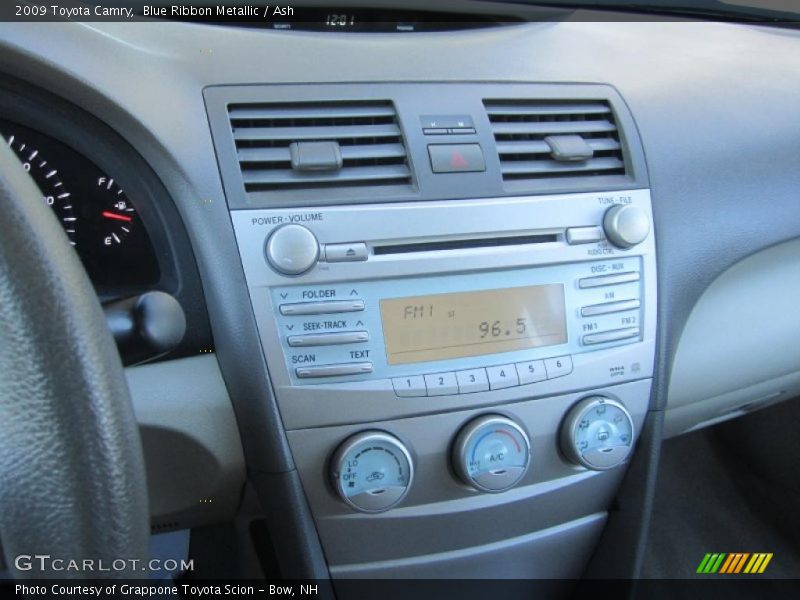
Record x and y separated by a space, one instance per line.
472 380
409 387
441 384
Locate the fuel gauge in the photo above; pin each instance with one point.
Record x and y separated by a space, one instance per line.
117 215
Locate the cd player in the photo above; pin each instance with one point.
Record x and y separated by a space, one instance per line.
376 311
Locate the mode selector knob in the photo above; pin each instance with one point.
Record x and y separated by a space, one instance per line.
292 249
597 433
626 225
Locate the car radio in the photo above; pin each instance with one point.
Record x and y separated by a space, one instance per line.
376 311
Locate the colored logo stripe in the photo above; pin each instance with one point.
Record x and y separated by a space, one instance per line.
734 562
758 563
711 563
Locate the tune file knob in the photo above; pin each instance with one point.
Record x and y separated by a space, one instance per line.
626 225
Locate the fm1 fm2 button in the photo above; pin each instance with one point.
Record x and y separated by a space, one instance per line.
456 158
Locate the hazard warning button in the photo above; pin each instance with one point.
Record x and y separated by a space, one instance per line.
456 158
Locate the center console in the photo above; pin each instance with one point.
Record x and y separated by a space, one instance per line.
455 291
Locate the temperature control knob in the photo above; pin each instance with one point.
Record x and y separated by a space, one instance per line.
626 225
597 433
292 249
372 471
491 453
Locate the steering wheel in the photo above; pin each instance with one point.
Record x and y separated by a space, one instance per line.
72 477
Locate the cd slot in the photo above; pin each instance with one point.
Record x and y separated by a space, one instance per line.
518 240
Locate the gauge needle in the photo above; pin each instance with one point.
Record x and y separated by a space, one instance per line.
111 215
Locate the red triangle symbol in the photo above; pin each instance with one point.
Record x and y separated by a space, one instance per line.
458 161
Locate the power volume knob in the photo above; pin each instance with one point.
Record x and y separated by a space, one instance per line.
292 249
626 225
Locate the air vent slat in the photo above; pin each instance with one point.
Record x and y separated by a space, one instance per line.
315 133
363 148
290 111
512 147
545 167
552 127
255 155
522 109
546 139
288 177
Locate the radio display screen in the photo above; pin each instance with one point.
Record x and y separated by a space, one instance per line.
461 324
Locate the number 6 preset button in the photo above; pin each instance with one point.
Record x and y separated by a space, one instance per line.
472 380
441 384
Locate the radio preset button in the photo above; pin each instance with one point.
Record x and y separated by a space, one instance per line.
441 384
616 279
472 380
328 339
409 387
346 252
333 370
558 366
531 371
610 336
609 307
504 376
584 235
321 308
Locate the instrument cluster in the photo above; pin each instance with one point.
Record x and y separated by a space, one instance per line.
99 216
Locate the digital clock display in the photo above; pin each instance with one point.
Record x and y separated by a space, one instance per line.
462 324
340 20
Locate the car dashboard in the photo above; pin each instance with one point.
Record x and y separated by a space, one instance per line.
494 266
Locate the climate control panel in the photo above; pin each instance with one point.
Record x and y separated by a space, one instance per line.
372 471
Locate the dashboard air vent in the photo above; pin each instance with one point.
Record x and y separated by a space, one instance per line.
547 139
318 145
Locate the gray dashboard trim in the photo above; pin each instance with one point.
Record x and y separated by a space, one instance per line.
193 455
546 554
